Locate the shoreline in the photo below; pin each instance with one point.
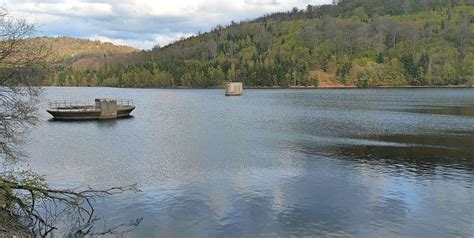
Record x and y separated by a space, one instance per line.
294 87
355 87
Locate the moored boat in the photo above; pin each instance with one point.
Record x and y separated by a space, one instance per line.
102 109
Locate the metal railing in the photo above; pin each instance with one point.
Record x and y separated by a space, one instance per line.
124 102
69 104
84 105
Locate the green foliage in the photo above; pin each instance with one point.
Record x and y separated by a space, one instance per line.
362 82
411 70
380 59
27 178
358 42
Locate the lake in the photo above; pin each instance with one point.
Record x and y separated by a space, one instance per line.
273 163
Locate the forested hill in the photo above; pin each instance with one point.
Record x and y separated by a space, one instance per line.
355 43
80 53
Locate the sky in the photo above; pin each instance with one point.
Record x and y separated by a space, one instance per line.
141 23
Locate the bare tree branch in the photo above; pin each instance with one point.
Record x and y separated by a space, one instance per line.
23 64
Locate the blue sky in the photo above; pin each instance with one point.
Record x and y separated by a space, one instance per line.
141 23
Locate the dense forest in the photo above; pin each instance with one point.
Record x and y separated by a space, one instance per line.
364 43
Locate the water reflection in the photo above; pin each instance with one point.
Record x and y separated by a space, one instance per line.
104 121
289 163
446 110
71 228
451 150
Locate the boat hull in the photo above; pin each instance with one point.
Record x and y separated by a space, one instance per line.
74 115
125 112
77 115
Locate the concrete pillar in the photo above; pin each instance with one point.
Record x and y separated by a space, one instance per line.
234 89
108 108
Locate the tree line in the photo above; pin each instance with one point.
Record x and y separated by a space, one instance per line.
356 42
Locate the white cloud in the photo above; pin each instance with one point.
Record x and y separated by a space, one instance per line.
66 8
141 23
139 44
166 39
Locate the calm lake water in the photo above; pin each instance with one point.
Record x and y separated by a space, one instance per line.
273 163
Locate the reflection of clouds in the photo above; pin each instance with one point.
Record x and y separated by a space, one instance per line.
291 161
220 199
208 171
279 202
386 208
394 195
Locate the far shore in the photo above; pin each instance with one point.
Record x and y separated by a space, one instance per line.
298 87
355 87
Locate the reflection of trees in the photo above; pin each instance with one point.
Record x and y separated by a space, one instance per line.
443 110
86 229
42 207
423 153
